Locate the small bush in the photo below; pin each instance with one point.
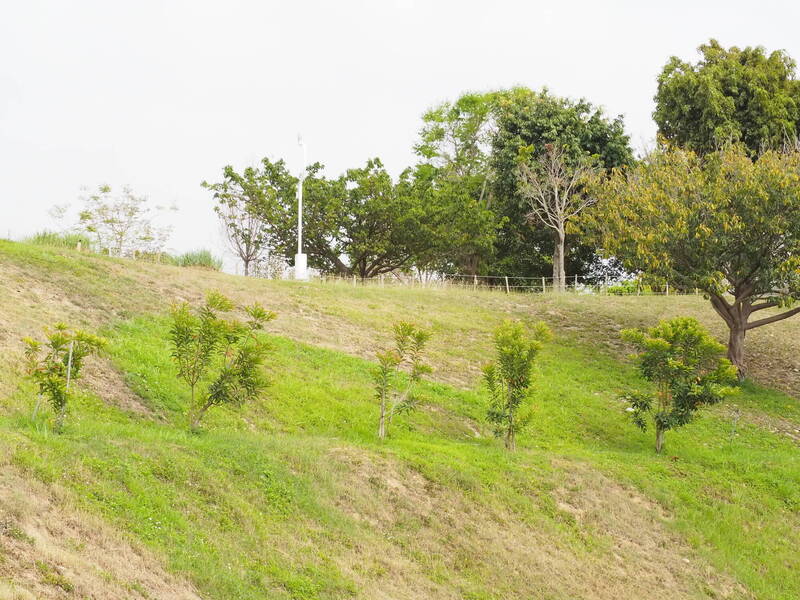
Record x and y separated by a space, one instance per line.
689 371
198 258
59 240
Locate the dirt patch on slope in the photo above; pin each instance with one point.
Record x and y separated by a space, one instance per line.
101 377
433 542
51 550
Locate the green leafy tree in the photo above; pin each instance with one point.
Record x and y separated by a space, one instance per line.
55 365
455 145
726 224
224 356
730 95
527 122
509 378
253 206
688 369
396 395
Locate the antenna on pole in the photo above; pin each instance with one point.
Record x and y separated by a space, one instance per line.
300 259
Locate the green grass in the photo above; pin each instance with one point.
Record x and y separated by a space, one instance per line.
294 497
251 504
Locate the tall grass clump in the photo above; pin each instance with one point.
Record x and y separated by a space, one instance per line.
59 240
199 258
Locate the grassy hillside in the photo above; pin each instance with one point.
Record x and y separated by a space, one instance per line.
296 498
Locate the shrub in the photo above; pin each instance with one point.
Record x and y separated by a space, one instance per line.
394 396
510 377
689 371
60 365
225 354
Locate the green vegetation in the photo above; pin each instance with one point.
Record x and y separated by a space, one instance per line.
731 95
510 378
292 496
687 367
409 344
60 366
198 258
225 354
59 240
692 220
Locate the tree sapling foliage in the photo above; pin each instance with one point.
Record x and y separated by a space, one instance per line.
223 356
394 395
509 378
688 369
55 369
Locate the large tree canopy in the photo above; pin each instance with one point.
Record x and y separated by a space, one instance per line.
729 95
724 223
455 145
527 122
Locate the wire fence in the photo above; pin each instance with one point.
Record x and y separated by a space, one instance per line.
511 284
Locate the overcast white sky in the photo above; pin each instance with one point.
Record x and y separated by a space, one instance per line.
162 94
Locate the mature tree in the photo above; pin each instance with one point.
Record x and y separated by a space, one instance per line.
510 378
724 223
556 193
250 208
526 123
729 95
687 367
362 223
121 224
455 145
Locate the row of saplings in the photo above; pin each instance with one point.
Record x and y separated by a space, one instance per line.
221 359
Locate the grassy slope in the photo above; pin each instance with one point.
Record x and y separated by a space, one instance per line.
295 498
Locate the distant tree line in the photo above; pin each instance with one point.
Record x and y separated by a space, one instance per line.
521 182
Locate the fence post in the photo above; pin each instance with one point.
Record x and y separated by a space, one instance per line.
354 281
576 282
507 290
667 288
544 288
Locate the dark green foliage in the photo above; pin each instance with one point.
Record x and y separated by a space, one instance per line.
395 394
527 122
689 371
55 370
225 353
509 378
740 95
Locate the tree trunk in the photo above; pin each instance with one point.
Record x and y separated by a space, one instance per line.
382 422
736 347
510 441
246 267
559 271
659 439
199 415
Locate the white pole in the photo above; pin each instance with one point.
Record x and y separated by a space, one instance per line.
300 259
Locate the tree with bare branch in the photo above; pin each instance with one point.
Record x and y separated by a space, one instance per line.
248 207
556 192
